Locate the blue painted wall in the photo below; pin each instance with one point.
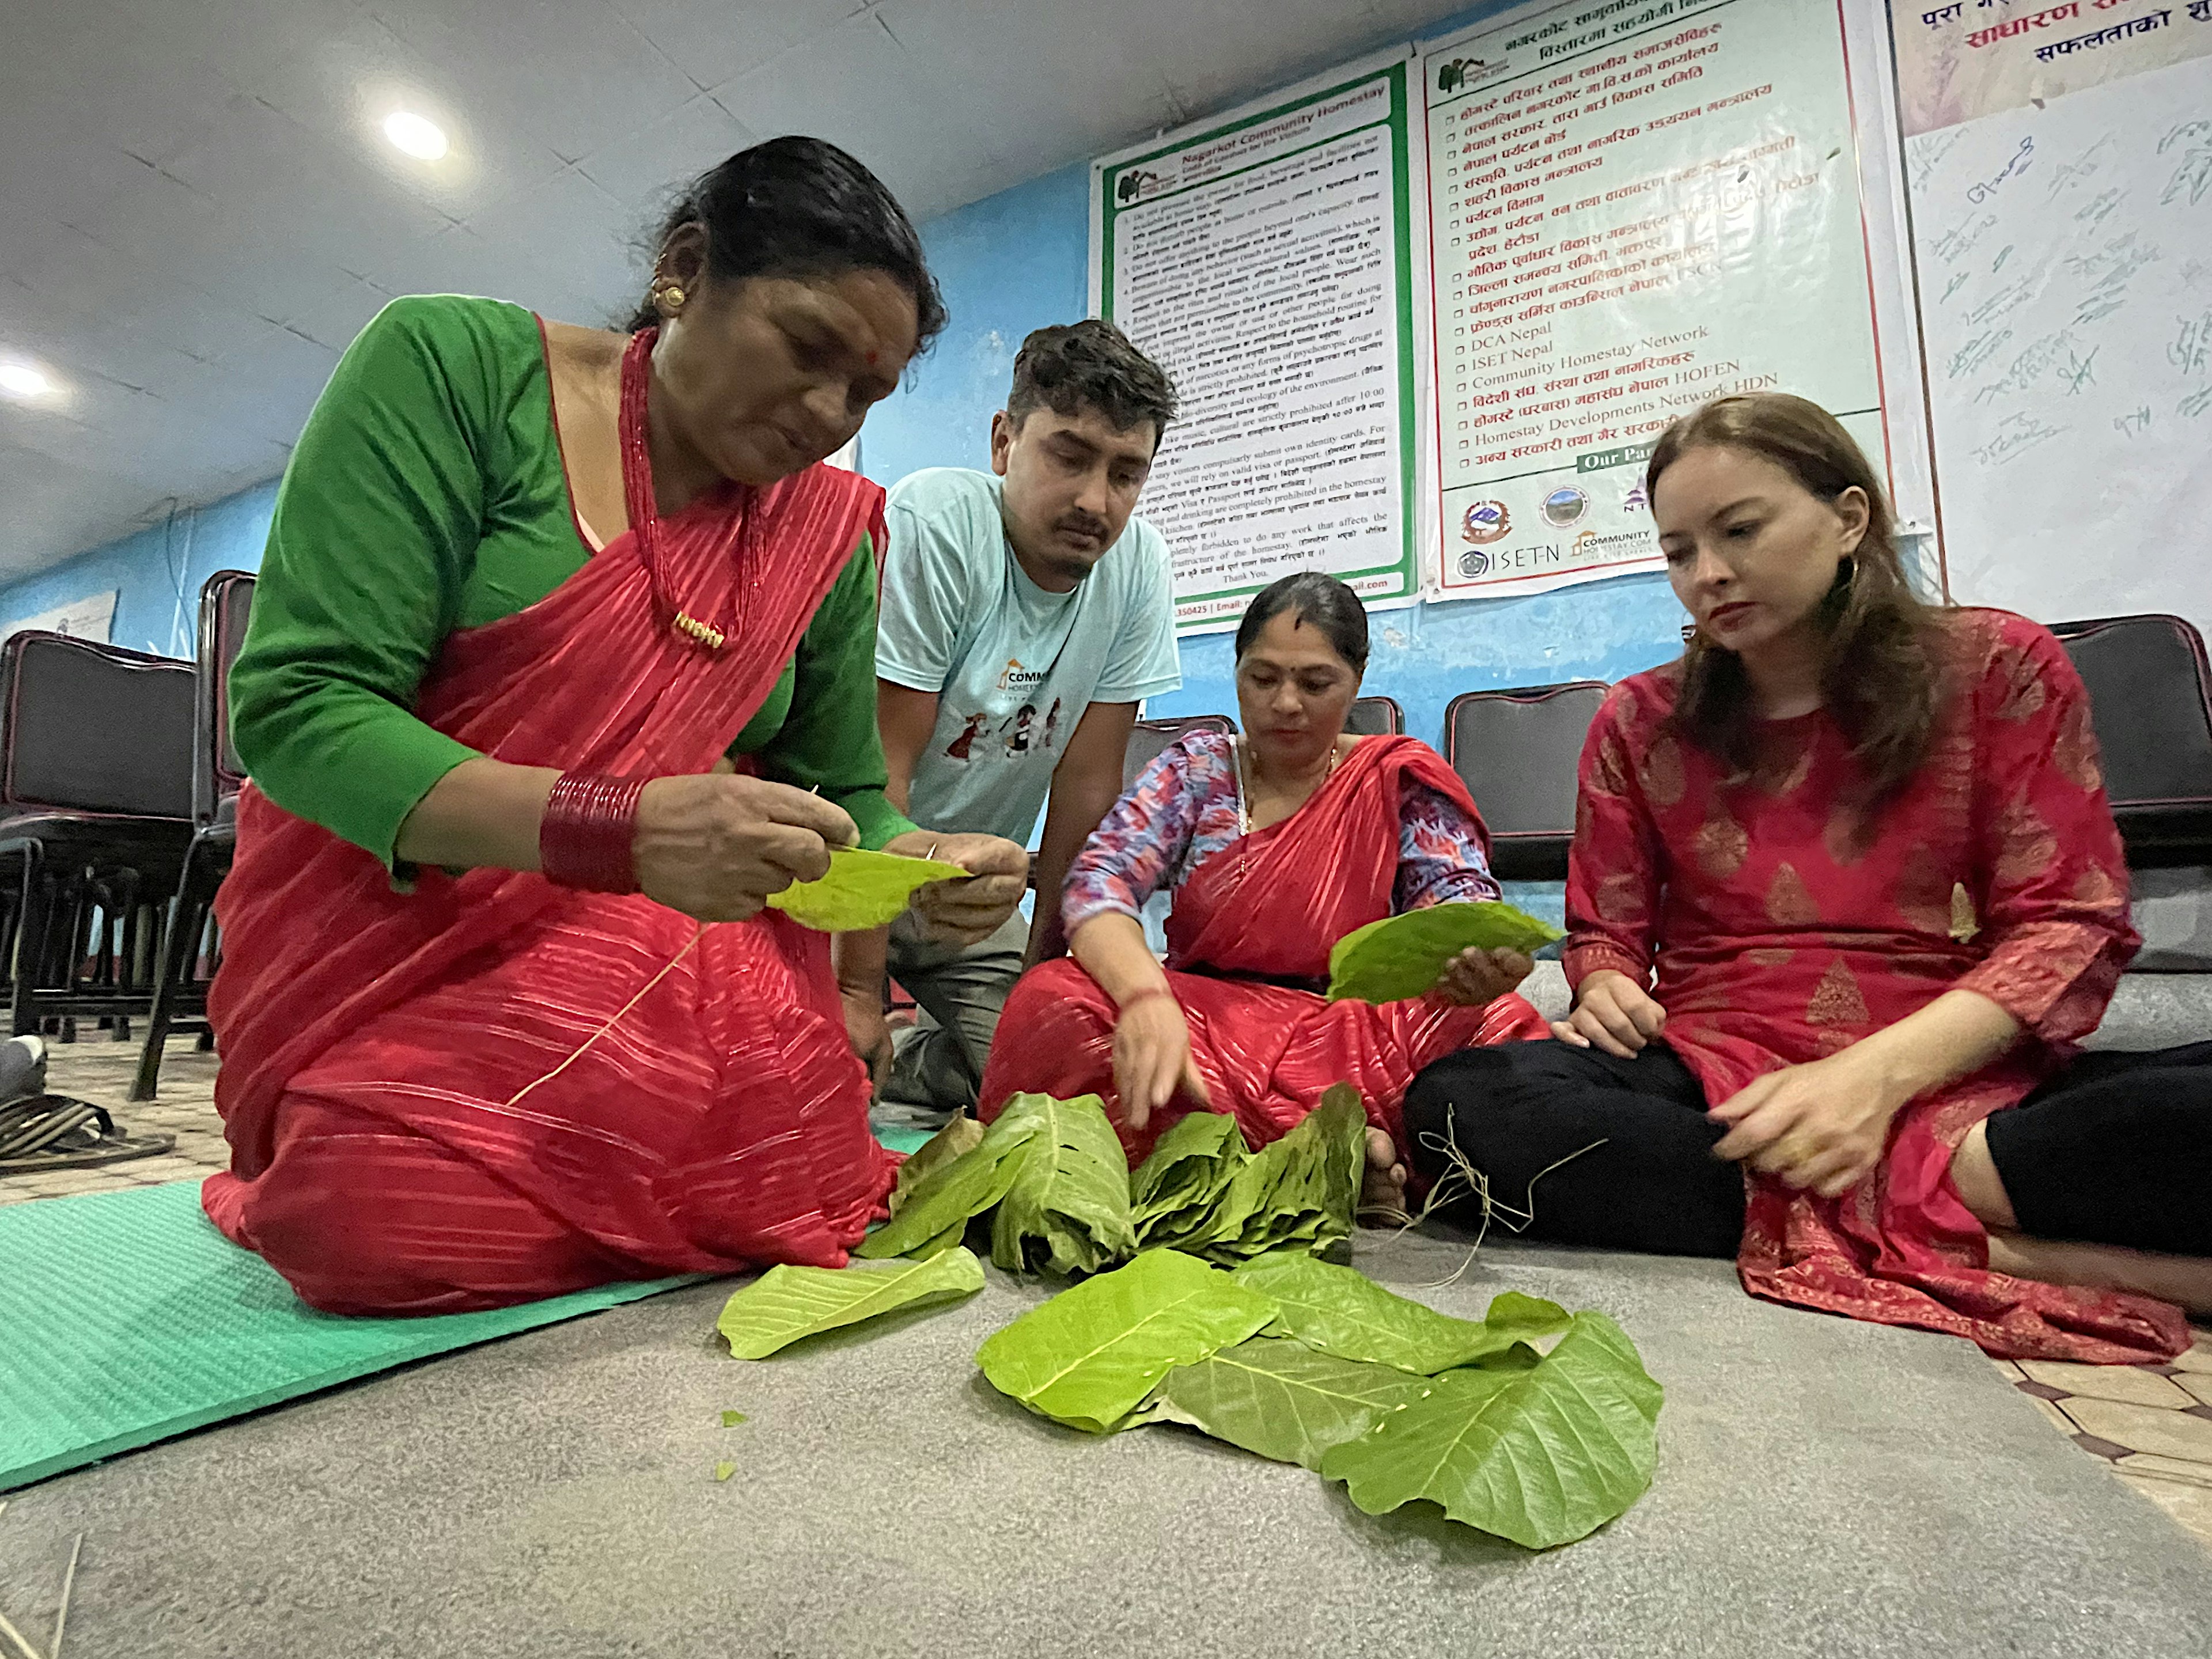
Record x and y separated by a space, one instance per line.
156 572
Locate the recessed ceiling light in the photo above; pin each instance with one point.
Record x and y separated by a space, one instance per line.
20 380
417 135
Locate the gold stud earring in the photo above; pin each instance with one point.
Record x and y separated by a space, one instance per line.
670 299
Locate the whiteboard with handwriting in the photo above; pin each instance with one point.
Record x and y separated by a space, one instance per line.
2065 275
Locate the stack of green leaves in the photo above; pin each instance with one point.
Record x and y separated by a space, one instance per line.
1067 1210
1405 956
1300 1192
1067 1202
1176 1189
953 1188
1303 1362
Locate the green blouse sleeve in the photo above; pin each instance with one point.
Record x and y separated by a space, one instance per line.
830 741
375 526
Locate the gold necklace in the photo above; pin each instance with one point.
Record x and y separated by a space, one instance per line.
1245 773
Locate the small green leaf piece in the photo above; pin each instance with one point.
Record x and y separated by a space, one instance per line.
1542 1457
731 1419
724 1470
945 1198
956 1140
863 890
787 1303
1341 1311
1093 1354
1282 1399
1067 1210
1405 956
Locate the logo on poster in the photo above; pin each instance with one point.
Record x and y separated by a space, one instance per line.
1635 500
1460 73
1510 562
1590 548
1485 522
1565 506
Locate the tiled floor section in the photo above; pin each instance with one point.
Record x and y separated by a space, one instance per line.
2152 1424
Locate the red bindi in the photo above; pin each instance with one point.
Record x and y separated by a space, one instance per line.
871 360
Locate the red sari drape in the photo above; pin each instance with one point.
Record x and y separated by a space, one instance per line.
1267 907
1782 933
412 1126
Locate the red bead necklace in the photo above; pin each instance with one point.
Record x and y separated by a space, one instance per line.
645 512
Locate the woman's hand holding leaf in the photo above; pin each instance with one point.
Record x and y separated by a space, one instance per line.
1476 977
1613 1013
967 912
716 846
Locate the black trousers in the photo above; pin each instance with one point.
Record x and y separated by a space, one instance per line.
2116 1149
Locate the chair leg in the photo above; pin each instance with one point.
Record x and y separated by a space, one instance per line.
36 911
172 962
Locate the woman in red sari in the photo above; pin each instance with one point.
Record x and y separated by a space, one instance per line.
1865 843
1278 844
560 664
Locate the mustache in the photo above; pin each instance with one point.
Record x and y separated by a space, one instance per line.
1081 524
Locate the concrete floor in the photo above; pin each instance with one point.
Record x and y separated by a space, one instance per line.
1825 1488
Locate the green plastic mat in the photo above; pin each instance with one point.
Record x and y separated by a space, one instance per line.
126 1318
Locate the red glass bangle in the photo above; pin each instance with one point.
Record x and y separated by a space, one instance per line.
586 840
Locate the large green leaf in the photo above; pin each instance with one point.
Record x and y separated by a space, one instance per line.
1542 1457
943 1200
1298 1192
1089 1357
1281 1399
1068 1209
1341 1311
863 890
1405 956
956 1140
786 1303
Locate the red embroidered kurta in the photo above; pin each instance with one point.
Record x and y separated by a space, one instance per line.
1781 935
1266 907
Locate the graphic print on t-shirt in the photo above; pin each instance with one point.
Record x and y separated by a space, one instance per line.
1012 666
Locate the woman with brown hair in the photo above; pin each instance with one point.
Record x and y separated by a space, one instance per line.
1864 844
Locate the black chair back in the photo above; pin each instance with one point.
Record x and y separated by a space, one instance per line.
1375 717
2150 700
226 605
94 728
1518 752
1148 737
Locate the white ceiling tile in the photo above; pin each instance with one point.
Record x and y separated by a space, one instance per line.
178 179
712 43
643 169
604 80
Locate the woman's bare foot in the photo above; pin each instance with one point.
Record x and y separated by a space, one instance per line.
1383 1195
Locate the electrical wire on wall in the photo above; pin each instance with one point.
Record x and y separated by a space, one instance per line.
181 642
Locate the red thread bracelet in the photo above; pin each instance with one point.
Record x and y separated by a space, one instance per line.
586 838
1144 995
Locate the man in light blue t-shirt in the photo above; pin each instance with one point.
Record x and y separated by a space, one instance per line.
1024 615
